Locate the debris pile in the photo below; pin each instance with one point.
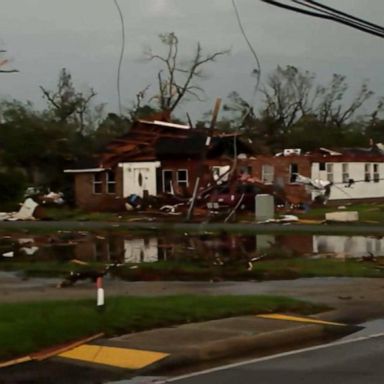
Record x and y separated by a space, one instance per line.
26 212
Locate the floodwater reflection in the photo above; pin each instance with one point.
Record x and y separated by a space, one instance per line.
348 246
87 247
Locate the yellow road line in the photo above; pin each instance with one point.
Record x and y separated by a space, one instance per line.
278 316
116 357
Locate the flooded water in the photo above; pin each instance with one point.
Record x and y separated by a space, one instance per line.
152 248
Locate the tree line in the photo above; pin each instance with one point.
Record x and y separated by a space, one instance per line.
296 111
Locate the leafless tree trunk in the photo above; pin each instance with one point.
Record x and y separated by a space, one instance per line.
176 79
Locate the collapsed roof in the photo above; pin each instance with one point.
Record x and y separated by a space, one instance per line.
156 140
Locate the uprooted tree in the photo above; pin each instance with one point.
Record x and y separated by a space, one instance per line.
177 80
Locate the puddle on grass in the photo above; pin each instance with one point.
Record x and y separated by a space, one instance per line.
66 246
348 246
208 249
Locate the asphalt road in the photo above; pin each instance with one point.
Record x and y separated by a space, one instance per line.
348 362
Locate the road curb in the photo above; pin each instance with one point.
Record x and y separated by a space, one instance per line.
240 345
351 316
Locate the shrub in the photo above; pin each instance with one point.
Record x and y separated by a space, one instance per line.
12 188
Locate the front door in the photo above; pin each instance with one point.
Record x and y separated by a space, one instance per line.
139 177
140 180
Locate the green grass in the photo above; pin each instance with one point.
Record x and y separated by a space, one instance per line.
47 268
28 327
301 267
273 269
368 212
65 213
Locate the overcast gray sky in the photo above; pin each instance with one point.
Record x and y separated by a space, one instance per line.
42 36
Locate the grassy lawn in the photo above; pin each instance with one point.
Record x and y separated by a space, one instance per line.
368 212
301 267
65 213
28 327
277 269
272 269
48 268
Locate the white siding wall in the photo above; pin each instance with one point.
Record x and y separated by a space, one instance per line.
361 189
131 172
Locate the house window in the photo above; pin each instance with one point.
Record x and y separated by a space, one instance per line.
167 181
293 172
322 167
245 170
376 173
267 173
111 182
329 172
345 172
367 172
97 183
182 177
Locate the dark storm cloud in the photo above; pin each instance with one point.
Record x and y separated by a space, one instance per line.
43 36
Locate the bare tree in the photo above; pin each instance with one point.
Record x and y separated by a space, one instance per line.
139 104
176 81
288 95
243 114
374 117
332 108
69 105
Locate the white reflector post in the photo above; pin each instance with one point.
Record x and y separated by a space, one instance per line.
100 292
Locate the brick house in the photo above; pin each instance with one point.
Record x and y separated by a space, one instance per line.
155 157
356 174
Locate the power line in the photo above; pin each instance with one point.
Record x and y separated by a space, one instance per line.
251 48
118 79
330 14
343 13
342 17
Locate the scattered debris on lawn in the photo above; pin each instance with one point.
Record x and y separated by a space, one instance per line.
343 216
9 254
283 219
52 198
26 212
90 273
31 250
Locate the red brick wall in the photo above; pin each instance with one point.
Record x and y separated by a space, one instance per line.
297 193
192 165
88 200
174 165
